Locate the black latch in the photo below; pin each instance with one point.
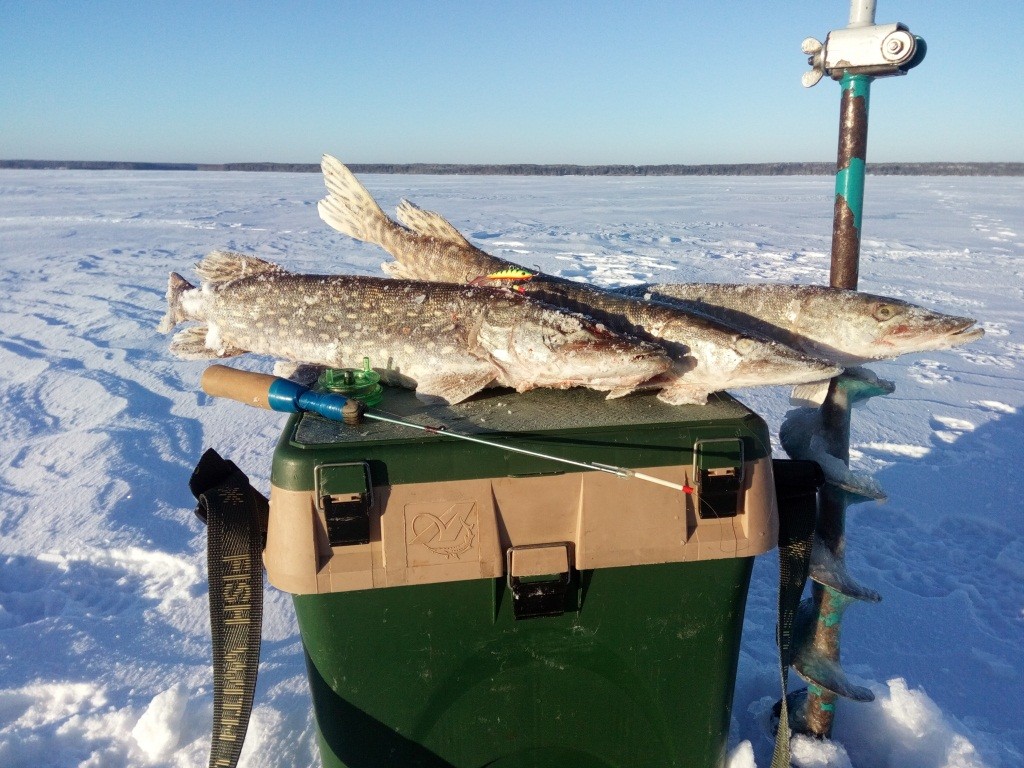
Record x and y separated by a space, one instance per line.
348 522
718 471
345 495
539 594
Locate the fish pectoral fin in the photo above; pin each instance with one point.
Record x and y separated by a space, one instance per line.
190 344
811 394
452 387
680 392
620 392
429 224
860 384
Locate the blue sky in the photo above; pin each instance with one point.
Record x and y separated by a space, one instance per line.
476 82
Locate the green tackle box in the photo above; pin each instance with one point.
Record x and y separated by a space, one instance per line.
462 605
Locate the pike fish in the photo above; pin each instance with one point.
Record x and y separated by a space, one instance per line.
847 327
708 356
446 341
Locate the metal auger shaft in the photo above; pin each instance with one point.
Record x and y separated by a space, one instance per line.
854 56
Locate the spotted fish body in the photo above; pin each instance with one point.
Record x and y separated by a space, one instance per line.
708 356
846 327
447 341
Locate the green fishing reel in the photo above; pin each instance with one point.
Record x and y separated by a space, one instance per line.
355 383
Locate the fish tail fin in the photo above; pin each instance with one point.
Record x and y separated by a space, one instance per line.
349 207
224 266
194 344
176 286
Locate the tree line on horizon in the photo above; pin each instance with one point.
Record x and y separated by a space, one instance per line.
530 169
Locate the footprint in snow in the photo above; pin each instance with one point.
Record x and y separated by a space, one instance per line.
1012 349
995 329
929 372
949 429
986 360
98 582
995 405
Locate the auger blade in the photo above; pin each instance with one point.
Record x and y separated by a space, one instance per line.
831 571
816 668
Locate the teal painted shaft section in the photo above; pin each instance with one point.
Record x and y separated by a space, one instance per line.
850 178
850 188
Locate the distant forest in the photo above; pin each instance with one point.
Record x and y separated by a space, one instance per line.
525 169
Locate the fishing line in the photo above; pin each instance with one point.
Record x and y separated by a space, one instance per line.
277 394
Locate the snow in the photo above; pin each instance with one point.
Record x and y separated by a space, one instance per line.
104 646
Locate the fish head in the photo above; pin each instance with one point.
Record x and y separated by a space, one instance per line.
557 349
871 327
903 327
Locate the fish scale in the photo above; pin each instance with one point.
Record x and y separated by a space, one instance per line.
447 341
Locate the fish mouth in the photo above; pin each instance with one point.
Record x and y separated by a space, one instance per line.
952 331
965 331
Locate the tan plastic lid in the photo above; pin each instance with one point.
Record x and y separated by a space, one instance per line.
470 529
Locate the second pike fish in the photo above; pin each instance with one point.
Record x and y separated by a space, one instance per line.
446 341
847 327
708 356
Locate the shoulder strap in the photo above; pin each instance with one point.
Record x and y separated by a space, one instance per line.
796 491
235 514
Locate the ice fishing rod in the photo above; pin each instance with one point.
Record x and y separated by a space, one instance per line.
273 393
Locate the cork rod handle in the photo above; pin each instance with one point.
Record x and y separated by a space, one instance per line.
244 386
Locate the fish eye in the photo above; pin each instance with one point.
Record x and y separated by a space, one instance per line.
744 345
883 312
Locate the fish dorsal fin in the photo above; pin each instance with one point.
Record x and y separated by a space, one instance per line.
429 224
222 266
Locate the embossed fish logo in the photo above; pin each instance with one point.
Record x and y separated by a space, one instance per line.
446 341
449 534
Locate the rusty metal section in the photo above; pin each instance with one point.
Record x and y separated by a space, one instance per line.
845 270
853 128
850 169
